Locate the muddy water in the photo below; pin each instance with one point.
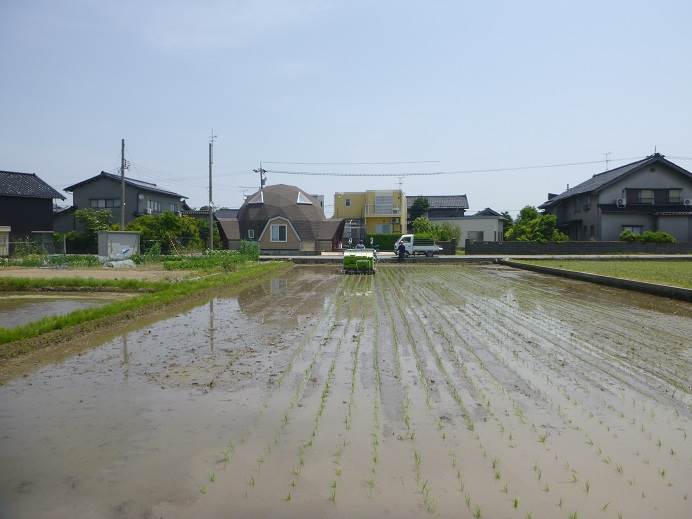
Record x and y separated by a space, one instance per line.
18 308
445 392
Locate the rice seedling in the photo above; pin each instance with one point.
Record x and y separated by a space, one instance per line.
505 489
477 512
605 507
573 515
203 489
467 500
212 477
515 502
587 486
332 491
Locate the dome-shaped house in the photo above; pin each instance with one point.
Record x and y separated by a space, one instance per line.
282 218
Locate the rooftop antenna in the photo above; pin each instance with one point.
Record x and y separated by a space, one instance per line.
607 159
400 182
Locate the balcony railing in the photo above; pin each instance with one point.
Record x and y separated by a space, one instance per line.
381 210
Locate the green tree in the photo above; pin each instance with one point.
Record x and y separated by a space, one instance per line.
419 208
507 222
423 225
94 220
173 233
446 231
531 225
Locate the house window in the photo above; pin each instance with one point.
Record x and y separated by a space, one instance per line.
173 207
634 229
645 196
251 234
278 232
153 206
347 202
104 203
675 196
383 228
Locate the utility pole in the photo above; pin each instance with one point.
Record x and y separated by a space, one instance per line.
607 155
122 184
211 212
263 179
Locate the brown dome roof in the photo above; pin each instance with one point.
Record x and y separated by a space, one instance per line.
291 202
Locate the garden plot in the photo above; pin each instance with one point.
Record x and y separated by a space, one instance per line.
450 391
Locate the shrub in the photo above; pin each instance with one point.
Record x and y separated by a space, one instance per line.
249 250
648 237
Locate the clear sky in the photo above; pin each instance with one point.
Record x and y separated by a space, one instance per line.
469 84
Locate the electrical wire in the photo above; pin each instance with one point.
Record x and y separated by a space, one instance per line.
351 163
453 172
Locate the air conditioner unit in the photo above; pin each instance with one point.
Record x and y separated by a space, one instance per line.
620 202
687 201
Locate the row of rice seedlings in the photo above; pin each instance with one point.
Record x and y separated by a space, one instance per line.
455 395
428 500
376 402
301 385
496 472
617 465
307 444
450 384
230 448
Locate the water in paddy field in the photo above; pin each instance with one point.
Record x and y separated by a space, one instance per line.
417 391
22 308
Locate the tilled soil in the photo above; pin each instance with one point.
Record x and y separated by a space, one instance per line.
450 391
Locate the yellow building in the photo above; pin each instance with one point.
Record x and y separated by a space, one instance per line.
371 212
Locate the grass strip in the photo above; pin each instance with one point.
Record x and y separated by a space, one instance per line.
668 272
9 284
13 337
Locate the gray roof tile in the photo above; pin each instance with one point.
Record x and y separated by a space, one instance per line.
28 185
441 201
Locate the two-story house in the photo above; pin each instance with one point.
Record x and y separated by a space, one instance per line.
26 208
104 191
371 212
652 194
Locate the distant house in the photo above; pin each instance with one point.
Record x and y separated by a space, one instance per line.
103 191
485 225
282 218
652 194
26 205
370 212
441 206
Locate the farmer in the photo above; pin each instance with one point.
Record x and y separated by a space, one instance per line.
401 251
360 245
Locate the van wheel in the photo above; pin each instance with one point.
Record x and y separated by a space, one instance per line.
429 254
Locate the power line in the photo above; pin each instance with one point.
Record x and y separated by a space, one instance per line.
436 173
352 163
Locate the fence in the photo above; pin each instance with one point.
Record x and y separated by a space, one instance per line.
511 248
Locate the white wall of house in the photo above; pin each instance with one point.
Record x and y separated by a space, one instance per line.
480 228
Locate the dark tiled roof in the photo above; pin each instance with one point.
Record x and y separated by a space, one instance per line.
607 177
441 201
145 186
487 212
225 212
26 185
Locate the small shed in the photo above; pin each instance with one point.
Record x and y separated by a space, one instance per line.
118 243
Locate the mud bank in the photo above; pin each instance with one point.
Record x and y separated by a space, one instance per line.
446 392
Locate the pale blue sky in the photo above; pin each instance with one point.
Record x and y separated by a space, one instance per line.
471 84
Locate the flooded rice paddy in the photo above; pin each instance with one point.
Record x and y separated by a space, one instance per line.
455 391
21 308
